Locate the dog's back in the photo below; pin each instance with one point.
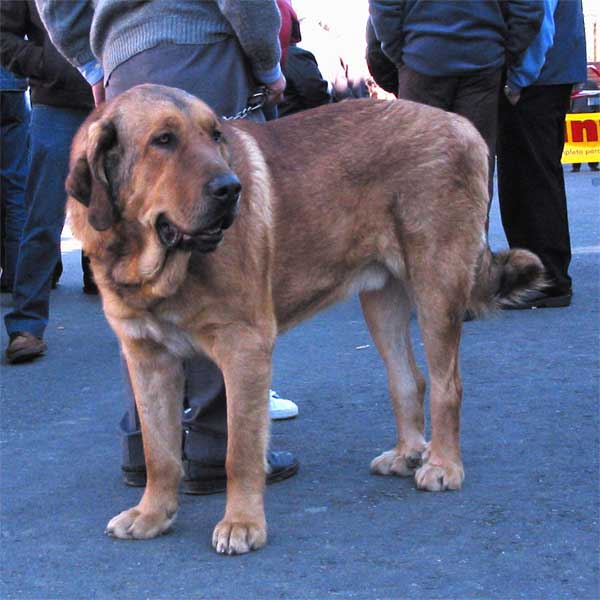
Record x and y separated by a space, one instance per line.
380 188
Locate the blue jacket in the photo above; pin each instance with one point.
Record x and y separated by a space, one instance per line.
557 55
445 38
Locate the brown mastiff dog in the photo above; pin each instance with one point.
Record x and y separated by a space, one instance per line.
214 236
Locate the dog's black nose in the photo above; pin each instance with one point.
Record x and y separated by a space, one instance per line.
224 188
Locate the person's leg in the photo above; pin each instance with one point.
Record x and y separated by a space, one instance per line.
15 131
205 390
51 132
204 426
530 179
216 74
477 100
434 91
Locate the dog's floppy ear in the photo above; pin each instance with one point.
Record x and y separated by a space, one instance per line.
87 181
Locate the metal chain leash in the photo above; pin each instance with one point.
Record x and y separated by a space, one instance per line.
255 102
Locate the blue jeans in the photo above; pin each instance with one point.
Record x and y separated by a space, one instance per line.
15 126
51 132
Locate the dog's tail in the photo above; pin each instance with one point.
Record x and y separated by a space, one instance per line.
504 278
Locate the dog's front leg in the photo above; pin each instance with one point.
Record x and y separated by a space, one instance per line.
246 363
157 381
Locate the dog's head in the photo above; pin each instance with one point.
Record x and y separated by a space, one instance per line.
152 167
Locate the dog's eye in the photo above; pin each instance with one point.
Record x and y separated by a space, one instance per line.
164 139
217 136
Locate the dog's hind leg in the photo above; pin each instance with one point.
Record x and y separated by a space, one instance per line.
157 381
441 311
387 312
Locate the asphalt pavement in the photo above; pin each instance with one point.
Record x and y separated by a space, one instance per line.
525 524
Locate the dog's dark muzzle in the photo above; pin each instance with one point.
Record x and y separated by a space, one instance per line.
223 192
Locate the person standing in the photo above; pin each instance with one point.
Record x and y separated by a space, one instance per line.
61 100
305 86
532 110
219 51
15 131
451 54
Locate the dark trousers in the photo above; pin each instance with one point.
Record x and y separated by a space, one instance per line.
531 185
473 96
15 135
217 74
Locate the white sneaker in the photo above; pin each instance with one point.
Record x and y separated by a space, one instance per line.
281 408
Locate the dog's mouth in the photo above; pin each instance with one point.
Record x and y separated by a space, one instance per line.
204 240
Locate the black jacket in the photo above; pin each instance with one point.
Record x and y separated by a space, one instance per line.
305 87
52 79
382 69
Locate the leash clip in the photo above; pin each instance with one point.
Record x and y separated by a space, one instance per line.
255 102
258 99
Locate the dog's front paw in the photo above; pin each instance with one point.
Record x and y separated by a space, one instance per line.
238 537
398 461
438 476
133 524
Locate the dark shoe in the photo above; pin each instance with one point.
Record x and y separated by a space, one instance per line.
575 168
594 166
202 479
24 346
541 299
134 477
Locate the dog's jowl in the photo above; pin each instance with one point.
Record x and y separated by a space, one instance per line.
205 236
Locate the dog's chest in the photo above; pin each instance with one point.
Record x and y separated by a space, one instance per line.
163 329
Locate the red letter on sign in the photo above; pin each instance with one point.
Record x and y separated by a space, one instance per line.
588 126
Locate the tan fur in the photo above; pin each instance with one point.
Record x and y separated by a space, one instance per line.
388 199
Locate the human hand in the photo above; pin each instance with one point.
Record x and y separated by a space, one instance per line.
276 90
98 93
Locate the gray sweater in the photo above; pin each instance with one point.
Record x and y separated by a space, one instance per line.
111 31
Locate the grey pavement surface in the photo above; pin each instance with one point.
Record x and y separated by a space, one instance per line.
525 524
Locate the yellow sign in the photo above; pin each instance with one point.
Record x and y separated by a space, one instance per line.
582 138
